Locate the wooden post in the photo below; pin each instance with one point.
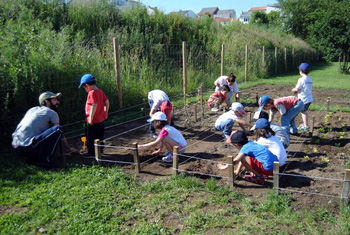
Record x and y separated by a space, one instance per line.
312 126
246 64
285 60
195 113
136 158
97 151
202 104
293 54
276 171
184 67
175 160
222 59
328 101
346 185
117 70
231 172
263 57
276 55
144 107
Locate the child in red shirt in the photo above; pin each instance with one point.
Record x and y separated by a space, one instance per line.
96 111
216 99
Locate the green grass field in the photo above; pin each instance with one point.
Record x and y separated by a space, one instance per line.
103 200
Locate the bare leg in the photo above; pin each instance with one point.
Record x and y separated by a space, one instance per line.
304 116
169 144
245 161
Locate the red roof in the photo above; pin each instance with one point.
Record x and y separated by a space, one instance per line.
257 9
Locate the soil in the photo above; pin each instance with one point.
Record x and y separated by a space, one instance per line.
315 165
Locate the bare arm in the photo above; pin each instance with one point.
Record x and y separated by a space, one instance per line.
150 144
107 106
295 90
92 113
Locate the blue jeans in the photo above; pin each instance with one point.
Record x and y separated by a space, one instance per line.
43 145
226 127
288 119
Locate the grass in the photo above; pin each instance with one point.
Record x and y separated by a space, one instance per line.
79 199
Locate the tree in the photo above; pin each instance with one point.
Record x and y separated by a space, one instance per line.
259 17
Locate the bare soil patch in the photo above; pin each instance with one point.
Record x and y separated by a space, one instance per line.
316 161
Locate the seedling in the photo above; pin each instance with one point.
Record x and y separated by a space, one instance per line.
307 157
337 144
325 159
315 150
322 130
341 115
324 137
344 129
343 124
341 137
317 141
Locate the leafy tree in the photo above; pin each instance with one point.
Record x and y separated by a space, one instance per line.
259 17
275 19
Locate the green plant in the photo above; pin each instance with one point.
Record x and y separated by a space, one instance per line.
317 141
322 130
337 144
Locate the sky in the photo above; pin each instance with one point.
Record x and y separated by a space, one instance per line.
168 6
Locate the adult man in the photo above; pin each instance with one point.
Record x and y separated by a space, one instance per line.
38 134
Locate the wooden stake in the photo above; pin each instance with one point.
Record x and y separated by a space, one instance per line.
202 103
285 60
246 64
184 67
176 160
276 171
231 172
195 113
97 151
222 59
263 57
346 186
136 158
117 70
328 101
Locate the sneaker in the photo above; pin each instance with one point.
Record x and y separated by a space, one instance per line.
168 158
255 179
215 109
305 129
225 136
301 127
154 135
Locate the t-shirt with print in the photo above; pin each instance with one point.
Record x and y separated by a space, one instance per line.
174 134
305 86
216 94
261 153
96 96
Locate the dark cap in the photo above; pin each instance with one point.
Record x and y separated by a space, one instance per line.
237 137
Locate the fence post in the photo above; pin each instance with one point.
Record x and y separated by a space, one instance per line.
276 171
97 151
346 185
136 158
222 59
231 171
144 107
117 70
263 57
195 113
246 64
285 60
202 104
175 160
276 54
184 67
328 101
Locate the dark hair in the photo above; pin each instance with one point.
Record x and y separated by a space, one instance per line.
225 88
231 78
159 124
91 83
265 133
306 72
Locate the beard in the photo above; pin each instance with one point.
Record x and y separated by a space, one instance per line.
53 106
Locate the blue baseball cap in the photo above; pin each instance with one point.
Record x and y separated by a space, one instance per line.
304 67
263 101
86 78
262 123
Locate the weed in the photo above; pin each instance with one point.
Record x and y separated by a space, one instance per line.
337 144
317 141
322 130
306 157
347 165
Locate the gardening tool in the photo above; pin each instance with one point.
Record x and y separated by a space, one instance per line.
83 139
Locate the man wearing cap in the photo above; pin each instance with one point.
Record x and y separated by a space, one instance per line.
280 133
38 134
289 107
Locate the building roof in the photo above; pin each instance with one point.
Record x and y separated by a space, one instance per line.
225 14
211 10
257 9
245 14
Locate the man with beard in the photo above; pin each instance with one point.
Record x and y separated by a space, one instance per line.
38 134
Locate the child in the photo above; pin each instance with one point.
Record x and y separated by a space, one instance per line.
225 121
304 90
168 137
216 99
96 111
289 107
279 132
231 82
266 137
159 101
254 157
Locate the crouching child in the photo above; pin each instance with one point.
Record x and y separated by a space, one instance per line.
169 137
254 157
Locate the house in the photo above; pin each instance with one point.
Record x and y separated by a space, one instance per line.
210 10
150 10
245 16
187 13
225 16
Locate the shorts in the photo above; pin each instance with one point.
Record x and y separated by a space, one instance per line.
258 167
306 107
182 149
166 107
